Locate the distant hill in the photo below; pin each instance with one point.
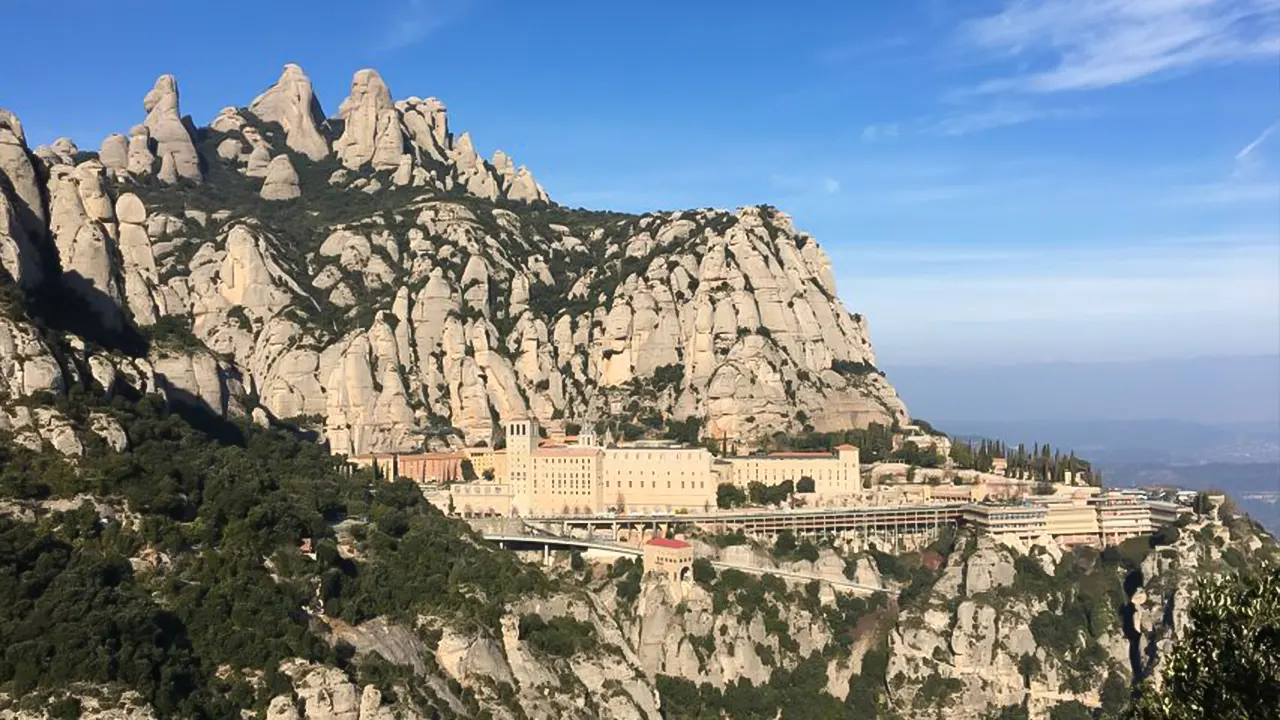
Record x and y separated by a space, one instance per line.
1118 442
1210 391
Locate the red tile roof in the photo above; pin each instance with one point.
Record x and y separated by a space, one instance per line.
846 446
666 543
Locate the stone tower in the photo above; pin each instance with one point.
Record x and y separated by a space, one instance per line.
522 439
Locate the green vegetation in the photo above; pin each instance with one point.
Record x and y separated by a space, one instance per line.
780 494
560 636
75 610
730 496
875 443
1227 663
798 694
1041 463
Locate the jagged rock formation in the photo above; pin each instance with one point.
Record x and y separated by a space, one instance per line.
409 285
282 180
292 103
169 131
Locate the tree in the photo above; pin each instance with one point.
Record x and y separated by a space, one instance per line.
1227 663
1070 710
488 474
805 485
730 496
785 544
703 571
1202 505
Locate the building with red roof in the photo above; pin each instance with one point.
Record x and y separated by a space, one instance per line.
669 559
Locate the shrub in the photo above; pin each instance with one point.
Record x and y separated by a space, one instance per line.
561 636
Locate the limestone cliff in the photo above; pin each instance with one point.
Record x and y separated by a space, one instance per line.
375 272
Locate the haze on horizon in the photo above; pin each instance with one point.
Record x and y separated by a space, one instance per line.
1006 181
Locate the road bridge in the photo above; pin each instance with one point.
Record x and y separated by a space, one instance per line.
548 542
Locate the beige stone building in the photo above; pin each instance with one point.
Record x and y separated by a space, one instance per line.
430 468
639 479
586 478
671 560
481 498
485 459
422 468
837 477
564 480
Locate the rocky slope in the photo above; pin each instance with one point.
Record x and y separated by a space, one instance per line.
373 274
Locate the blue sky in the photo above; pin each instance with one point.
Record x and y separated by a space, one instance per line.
995 181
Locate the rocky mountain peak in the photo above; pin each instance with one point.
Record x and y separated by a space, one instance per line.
400 283
168 130
372 133
292 103
17 169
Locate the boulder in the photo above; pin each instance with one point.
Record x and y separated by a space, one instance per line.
141 157
114 153
282 181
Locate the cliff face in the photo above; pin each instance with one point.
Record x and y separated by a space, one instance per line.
374 271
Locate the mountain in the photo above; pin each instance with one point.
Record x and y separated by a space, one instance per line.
194 578
185 313
371 275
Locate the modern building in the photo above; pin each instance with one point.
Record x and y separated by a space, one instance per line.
1022 521
1122 516
1071 521
564 480
1083 519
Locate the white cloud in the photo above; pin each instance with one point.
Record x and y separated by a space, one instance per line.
831 186
1100 43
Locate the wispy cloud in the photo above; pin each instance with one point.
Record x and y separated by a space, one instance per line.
1005 115
1089 44
969 121
409 22
805 186
1247 150
880 131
